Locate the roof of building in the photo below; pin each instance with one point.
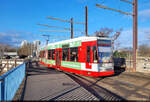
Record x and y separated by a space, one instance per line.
10 53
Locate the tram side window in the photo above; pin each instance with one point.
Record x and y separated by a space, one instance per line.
65 55
53 54
49 54
95 58
43 54
40 54
88 54
74 54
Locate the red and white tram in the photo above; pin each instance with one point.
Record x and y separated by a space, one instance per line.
90 56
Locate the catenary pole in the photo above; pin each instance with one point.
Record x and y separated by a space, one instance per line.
86 20
135 33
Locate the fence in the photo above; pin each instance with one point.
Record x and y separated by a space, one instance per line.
10 82
8 64
143 64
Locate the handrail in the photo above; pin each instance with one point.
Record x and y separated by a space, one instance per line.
10 71
11 79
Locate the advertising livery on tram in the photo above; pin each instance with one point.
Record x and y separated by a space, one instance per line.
90 56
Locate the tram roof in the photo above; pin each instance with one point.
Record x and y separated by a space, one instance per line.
82 39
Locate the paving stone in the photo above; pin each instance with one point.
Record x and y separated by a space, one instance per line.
53 85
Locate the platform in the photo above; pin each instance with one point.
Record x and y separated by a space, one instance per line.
48 84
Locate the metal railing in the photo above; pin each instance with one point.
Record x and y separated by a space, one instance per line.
10 82
8 64
142 63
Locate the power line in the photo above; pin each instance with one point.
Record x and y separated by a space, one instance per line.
58 27
69 21
135 27
104 7
53 36
54 26
54 31
47 40
127 1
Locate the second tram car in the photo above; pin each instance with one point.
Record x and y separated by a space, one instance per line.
89 56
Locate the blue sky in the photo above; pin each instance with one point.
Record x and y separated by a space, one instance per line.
19 19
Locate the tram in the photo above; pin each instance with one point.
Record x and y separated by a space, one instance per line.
89 56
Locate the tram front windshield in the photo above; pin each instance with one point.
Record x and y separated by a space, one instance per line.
105 57
104 51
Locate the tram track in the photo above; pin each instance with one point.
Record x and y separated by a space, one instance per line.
147 77
116 89
130 85
100 92
129 89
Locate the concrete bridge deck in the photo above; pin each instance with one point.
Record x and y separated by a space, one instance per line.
43 83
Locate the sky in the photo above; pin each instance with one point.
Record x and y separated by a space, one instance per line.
19 20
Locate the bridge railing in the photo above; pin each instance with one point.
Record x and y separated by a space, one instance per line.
10 82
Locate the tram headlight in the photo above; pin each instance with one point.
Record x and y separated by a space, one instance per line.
107 65
104 65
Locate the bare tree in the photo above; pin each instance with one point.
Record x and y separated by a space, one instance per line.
106 32
26 50
6 48
144 50
149 36
148 33
117 45
115 37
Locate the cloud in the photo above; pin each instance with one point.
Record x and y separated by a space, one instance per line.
144 14
8 39
126 37
2 34
13 37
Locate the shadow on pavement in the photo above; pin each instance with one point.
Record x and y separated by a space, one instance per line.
34 68
99 92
